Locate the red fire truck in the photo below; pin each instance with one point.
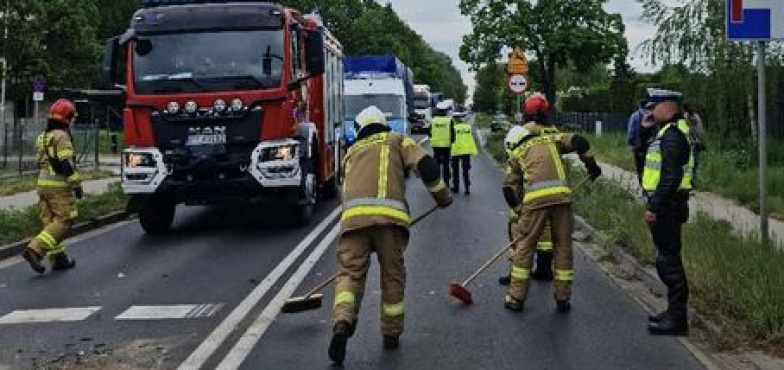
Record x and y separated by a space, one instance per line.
226 101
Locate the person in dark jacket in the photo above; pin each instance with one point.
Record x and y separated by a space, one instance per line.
633 140
667 182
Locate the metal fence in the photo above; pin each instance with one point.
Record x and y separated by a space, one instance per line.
90 132
586 122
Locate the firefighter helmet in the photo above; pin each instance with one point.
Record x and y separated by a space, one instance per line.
63 111
536 104
370 115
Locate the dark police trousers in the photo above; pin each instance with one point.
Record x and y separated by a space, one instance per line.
666 234
443 157
465 161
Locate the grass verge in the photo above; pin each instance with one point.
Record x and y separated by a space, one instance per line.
729 170
735 281
19 224
482 120
24 184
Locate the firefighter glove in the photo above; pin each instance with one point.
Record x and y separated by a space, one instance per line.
78 192
594 171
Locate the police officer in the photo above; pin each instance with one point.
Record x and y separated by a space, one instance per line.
442 135
58 189
462 149
536 109
375 219
667 181
536 165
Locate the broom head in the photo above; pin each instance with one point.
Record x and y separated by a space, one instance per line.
300 304
461 293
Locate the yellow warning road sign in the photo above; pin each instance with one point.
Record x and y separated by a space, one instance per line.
518 63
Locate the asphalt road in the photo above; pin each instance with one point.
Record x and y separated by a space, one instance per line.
235 266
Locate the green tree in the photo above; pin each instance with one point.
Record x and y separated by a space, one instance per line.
72 48
558 33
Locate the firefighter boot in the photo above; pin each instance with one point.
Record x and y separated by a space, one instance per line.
337 346
504 279
61 262
658 317
544 266
513 304
563 306
391 342
34 259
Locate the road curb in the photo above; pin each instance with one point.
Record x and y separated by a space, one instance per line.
14 249
653 284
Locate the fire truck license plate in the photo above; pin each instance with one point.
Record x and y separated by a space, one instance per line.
204 139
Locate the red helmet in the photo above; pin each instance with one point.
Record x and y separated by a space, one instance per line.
536 103
63 111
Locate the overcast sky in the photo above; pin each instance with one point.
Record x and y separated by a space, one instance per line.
444 29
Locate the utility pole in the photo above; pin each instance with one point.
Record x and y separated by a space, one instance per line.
4 71
763 148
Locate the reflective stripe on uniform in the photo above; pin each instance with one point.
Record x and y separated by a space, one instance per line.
344 298
53 183
376 211
546 192
545 184
558 162
519 273
65 153
564 275
407 142
544 246
438 186
383 171
49 241
393 309
59 248
391 203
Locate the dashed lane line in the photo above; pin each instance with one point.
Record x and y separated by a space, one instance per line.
47 315
207 348
170 312
248 341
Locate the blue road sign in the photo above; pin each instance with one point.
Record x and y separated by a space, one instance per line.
39 84
759 20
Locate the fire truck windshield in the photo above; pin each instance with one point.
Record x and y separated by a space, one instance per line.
393 106
214 61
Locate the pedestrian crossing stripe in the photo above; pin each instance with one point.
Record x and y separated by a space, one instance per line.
49 315
169 312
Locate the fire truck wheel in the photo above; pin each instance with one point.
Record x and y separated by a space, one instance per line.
308 195
156 218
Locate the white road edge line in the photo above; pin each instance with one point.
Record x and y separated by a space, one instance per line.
247 342
424 140
207 348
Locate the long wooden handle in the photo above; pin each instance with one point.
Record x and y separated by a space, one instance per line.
324 283
489 262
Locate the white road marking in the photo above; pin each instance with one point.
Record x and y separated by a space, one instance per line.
207 348
169 312
248 341
424 140
49 315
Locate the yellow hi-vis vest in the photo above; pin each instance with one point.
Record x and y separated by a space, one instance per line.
653 160
464 140
48 146
440 132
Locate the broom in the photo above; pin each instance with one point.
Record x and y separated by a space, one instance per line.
460 292
312 299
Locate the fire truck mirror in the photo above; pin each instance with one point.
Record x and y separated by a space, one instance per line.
111 49
314 47
143 47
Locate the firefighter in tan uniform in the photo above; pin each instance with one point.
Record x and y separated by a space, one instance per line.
58 189
376 219
536 165
536 109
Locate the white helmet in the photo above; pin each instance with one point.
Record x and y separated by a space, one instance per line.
514 136
370 115
443 105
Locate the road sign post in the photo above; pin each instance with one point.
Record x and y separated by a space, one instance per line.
760 21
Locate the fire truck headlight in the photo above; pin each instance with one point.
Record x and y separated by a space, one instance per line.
173 108
134 160
191 107
237 105
219 105
279 153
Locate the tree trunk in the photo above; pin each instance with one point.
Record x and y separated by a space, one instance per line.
549 81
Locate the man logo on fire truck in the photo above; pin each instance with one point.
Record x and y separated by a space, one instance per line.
210 90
